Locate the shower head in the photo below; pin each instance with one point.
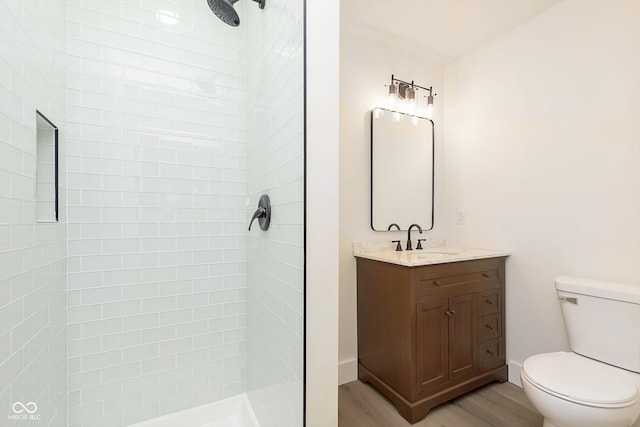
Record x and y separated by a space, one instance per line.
225 11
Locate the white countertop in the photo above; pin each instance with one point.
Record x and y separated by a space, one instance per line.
428 256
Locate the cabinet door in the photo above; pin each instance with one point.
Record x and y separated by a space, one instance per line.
461 331
432 344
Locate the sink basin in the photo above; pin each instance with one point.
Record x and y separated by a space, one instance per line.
433 254
417 254
429 254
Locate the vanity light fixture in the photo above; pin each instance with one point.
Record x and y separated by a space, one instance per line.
402 95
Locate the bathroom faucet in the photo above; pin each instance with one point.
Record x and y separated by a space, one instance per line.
409 248
393 224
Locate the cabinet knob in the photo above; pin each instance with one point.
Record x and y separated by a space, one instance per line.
489 301
449 312
488 327
485 274
436 282
491 352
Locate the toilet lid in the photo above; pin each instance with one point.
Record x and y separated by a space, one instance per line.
580 379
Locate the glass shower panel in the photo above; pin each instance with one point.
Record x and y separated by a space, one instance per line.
150 296
275 258
157 294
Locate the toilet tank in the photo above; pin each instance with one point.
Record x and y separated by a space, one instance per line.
602 320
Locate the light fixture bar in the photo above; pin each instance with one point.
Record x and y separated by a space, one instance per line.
405 92
411 84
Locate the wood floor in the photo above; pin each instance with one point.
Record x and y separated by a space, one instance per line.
497 405
494 405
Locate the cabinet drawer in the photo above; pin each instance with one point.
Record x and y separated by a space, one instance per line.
427 282
489 327
490 302
490 354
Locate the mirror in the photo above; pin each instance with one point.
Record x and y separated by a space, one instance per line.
401 170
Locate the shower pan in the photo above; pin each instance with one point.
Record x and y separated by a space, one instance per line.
149 301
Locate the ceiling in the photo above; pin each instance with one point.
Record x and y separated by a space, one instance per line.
449 28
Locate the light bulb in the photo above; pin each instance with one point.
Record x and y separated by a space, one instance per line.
411 100
392 96
429 113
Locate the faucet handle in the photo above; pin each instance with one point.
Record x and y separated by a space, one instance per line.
398 247
420 243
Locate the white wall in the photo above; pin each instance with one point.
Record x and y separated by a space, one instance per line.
366 65
157 184
543 152
321 240
33 255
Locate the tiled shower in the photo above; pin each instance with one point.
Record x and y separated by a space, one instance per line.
149 296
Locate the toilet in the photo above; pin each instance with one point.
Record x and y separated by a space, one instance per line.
597 383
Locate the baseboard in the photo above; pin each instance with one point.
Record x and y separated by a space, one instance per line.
347 371
514 372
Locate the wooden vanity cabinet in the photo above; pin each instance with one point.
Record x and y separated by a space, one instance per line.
431 333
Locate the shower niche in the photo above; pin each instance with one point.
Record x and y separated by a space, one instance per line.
46 169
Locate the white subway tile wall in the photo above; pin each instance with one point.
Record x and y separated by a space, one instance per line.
157 214
32 255
275 258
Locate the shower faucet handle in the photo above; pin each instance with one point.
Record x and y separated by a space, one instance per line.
259 213
263 213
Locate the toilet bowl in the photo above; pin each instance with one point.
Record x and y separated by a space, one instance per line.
597 384
571 390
